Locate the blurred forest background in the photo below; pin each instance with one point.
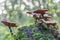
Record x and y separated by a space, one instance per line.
15 11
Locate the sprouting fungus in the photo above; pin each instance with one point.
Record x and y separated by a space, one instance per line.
9 25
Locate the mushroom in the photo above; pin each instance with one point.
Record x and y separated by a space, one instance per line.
48 23
35 15
29 12
46 17
9 24
40 11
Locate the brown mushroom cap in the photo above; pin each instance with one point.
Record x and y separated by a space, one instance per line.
33 13
40 11
29 12
9 24
48 22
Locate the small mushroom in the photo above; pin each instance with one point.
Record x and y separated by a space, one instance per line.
35 15
29 12
40 11
9 24
53 23
46 18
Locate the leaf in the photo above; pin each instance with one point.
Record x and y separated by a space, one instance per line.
6 36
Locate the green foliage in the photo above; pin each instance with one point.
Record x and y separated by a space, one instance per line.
13 37
44 26
20 34
6 36
36 34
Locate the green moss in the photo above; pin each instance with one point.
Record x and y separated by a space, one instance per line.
35 34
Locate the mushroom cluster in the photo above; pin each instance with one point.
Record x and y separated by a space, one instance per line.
39 17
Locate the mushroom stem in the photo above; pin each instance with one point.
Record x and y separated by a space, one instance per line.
10 30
